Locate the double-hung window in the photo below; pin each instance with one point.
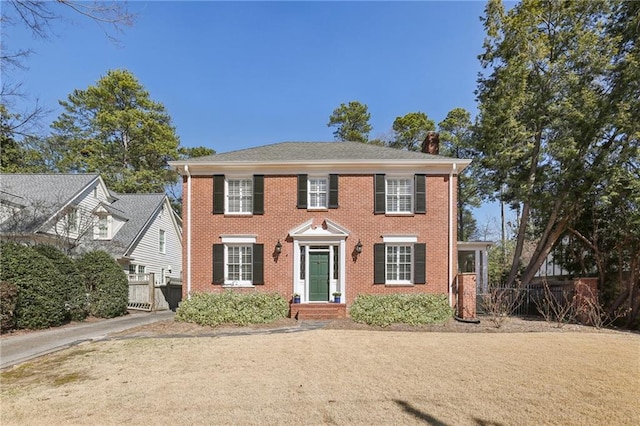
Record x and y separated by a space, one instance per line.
318 193
239 264
238 261
72 220
240 196
399 264
162 242
399 195
399 260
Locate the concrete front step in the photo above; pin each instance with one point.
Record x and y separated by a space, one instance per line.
318 310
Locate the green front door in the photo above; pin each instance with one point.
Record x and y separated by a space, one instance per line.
318 277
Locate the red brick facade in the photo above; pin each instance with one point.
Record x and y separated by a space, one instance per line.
355 214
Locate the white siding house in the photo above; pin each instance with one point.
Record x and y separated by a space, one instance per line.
77 212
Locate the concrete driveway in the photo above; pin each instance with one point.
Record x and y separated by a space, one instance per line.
17 349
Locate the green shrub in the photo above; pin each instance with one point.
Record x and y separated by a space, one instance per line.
75 293
384 310
106 284
8 302
230 307
40 286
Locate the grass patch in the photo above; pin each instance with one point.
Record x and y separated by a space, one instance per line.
229 307
413 309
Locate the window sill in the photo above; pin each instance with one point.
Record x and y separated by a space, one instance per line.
238 286
238 214
317 209
400 214
399 285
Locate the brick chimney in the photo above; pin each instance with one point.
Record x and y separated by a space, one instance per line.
431 144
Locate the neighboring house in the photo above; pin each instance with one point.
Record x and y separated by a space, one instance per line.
314 218
78 213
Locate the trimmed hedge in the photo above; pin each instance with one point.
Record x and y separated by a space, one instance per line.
106 283
40 286
75 293
384 310
229 307
8 302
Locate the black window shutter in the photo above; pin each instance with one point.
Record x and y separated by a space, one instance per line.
333 191
218 263
380 199
258 264
218 194
419 263
302 191
258 194
379 263
420 196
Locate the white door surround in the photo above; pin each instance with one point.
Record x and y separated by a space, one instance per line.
329 237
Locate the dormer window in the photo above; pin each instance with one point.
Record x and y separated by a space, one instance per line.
102 230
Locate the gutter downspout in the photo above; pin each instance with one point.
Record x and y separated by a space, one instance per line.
450 269
186 170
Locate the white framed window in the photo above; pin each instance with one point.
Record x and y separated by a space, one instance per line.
399 195
72 220
162 243
103 228
317 191
238 264
132 269
239 196
141 269
399 264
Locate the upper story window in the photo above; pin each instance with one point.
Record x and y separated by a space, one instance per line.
72 220
238 195
103 226
317 192
162 243
400 194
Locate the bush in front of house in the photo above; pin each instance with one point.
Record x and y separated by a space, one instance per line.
75 293
414 309
39 285
106 284
8 302
230 307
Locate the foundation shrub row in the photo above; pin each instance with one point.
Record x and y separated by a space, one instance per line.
230 307
413 309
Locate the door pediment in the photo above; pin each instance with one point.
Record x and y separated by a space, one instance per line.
327 230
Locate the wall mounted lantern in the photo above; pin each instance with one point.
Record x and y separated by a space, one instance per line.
359 247
278 247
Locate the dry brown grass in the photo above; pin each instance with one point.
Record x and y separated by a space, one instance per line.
334 377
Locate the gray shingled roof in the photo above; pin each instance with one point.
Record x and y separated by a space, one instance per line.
44 193
139 209
284 152
56 190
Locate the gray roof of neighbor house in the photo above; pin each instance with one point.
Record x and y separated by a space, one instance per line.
140 209
57 190
312 151
45 193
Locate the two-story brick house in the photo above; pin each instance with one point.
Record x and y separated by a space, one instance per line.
314 218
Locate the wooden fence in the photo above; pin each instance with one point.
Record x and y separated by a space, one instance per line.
142 292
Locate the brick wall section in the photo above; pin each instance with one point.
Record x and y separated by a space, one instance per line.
466 297
356 200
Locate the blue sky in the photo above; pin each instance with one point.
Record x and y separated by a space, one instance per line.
237 75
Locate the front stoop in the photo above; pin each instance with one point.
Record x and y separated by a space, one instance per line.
318 310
